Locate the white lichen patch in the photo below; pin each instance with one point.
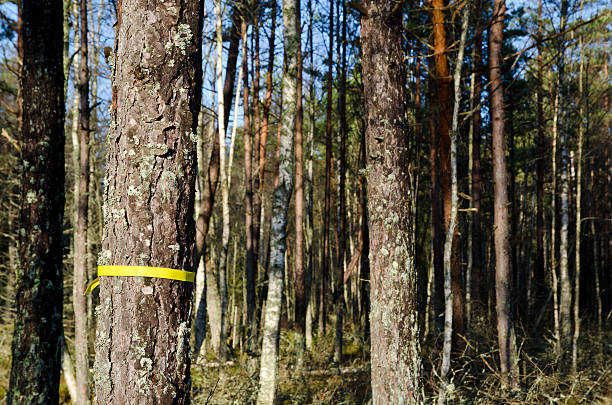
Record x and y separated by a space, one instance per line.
174 248
31 197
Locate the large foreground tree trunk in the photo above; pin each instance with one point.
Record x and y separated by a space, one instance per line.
396 362
505 329
38 332
268 376
142 338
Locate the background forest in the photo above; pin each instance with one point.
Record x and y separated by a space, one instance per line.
558 148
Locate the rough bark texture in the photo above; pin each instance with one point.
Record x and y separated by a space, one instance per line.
38 332
268 376
81 352
396 363
142 338
505 330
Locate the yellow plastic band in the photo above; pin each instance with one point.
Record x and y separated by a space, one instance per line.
140 271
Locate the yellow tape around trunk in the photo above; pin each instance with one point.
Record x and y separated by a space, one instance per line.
140 271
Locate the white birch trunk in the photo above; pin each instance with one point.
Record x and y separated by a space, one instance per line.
448 295
268 377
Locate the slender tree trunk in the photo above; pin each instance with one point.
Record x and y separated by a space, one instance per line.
251 261
578 208
505 328
38 332
268 376
81 351
564 278
328 174
443 80
209 187
553 226
300 270
436 209
539 278
309 192
396 363
448 244
339 289
149 201
68 371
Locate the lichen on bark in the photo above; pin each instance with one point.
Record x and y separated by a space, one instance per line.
142 339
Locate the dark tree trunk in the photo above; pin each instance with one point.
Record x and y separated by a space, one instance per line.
505 330
36 348
478 292
539 280
142 338
396 363
80 235
328 177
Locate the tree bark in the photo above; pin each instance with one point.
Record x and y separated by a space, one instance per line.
142 344
81 352
505 328
268 376
38 332
395 359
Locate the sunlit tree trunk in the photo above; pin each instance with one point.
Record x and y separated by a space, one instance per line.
142 337
38 332
268 376
395 348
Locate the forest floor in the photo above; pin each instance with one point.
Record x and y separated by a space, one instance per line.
476 379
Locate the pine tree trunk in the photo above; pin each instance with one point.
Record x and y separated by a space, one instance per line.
268 376
38 332
396 363
505 328
148 205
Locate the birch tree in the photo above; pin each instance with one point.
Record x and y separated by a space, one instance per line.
268 376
